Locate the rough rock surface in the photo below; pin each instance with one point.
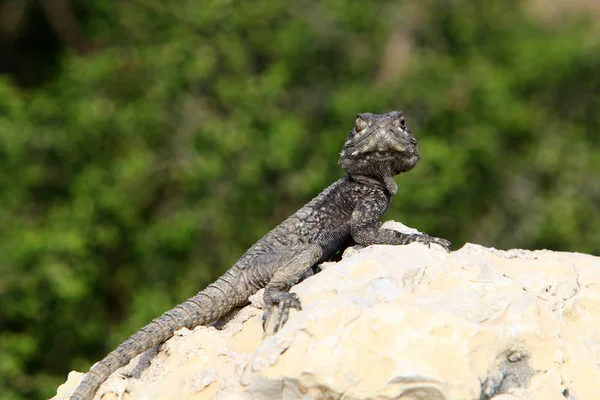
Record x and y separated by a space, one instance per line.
398 322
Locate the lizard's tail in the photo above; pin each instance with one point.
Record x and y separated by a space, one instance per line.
207 306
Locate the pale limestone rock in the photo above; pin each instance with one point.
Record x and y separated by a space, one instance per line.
400 322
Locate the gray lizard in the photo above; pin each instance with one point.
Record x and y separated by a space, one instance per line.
377 148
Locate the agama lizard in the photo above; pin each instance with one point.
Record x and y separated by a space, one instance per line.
377 148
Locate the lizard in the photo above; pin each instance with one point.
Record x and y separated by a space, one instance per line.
378 147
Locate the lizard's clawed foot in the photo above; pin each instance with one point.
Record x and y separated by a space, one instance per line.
277 306
442 242
425 238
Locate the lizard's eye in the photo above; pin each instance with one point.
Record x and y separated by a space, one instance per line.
360 124
402 122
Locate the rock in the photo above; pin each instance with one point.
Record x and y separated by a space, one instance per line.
400 322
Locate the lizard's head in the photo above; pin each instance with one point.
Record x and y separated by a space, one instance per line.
379 145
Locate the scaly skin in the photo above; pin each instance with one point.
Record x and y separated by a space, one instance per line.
377 148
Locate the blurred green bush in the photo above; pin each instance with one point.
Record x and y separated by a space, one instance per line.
135 175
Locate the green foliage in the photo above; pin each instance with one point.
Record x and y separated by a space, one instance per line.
139 173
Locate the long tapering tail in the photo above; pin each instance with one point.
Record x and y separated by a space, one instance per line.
218 299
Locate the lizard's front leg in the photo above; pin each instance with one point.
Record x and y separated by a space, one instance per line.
366 228
278 299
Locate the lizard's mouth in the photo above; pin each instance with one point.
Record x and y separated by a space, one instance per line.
404 146
380 142
381 155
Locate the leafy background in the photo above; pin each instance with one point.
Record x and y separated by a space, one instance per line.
144 145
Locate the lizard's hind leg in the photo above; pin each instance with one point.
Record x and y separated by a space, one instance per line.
278 299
